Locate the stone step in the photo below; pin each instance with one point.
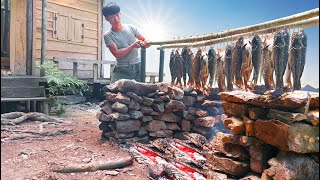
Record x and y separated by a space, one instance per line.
22 92
20 81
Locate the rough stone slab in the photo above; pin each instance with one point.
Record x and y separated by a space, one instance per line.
154 113
259 156
134 139
236 125
185 125
162 133
124 135
201 113
168 117
212 103
146 109
175 92
134 105
106 127
155 126
142 132
121 108
127 126
286 117
123 98
238 139
125 85
214 111
147 101
188 100
134 96
135 114
115 117
190 117
258 113
147 118
289 166
230 150
111 97
208 121
313 117
172 126
251 176
201 98
111 87
235 109
165 98
227 165
182 113
216 175
249 124
296 137
294 99
152 94
157 99
163 87
192 111
174 106
109 134
106 108
158 107
202 130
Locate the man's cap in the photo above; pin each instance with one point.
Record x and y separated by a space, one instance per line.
110 9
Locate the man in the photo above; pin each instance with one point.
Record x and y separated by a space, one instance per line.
123 40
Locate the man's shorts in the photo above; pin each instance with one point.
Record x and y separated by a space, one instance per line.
127 72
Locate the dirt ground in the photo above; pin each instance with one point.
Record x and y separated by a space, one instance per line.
75 141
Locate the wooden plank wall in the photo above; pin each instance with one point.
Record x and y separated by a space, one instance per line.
18 37
77 24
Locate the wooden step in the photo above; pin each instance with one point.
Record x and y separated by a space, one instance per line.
22 92
19 81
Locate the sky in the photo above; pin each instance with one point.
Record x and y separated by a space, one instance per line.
168 19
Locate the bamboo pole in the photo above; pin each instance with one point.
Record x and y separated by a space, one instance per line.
303 24
277 22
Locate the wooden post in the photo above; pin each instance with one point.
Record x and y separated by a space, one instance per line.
143 64
161 65
95 72
43 34
29 30
6 29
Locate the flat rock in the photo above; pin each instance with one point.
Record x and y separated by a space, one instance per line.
135 114
286 117
158 107
258 113
172 126
162 133
236 125
121 108
118 116
190 117
201 113
124 135
134 105
143 139
163 87
182 113
127 126
165 98
212 103
147 101
174 105
125 85
168 117
294 99
259 156
155 126
175 93
111 97
235 109
238 139
248 124
110 87
146 109
106 107
185 125
147 118
288 165
134 96
313 117
296 137
123 98
208 121
192 111
227 165
142 132
188 100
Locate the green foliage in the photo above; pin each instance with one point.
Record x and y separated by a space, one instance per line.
61 84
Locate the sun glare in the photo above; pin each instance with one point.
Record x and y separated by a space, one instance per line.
154 31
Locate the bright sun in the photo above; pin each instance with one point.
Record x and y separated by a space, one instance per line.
154 31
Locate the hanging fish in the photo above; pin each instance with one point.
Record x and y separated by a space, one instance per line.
267 62
211 64
197 68
190 67
178 68
303 37
204 72
256 58
220 75
172 67
278 57
228 67
295 59
286 37
184 54
246 66
237 62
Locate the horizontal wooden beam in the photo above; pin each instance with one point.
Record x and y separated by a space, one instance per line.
303 24
253 28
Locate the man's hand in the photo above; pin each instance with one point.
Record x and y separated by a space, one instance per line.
137 44
145 44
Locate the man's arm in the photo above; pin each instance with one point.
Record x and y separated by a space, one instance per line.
119 53
143 39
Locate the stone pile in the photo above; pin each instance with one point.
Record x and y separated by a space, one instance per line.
272 137
138 112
